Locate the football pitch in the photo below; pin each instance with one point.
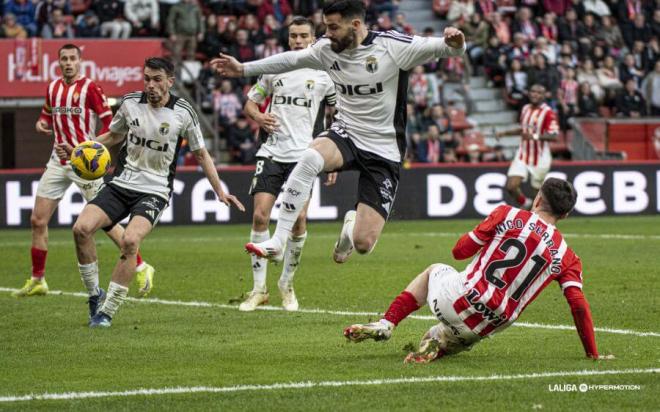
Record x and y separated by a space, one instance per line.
187 347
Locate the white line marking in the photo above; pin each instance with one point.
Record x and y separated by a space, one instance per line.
179 238
335 312
321 384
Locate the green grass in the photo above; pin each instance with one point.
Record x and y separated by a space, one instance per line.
45 345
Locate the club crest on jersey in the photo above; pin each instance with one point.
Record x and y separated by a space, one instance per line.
309 85
76 95
164 128
372 64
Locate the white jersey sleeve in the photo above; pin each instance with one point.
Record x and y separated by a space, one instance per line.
417 50
288 61
119 125
191 129
261 89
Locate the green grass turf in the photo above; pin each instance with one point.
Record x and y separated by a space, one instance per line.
45 345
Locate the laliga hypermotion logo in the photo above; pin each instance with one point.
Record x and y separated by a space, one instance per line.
99 72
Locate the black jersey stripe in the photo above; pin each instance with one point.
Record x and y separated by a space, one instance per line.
190 111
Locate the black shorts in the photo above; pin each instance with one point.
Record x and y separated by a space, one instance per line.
379 177
269 176
118 203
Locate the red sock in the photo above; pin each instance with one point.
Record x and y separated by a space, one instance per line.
38 262
521 199
401 307
139 260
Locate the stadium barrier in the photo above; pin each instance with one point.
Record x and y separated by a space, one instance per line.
29 65
425 192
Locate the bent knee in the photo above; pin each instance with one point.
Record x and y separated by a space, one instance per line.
364 245
38 222
82 230
260 219
129 244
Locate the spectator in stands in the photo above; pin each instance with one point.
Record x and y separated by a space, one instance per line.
271 26
640 31
485 8
610 34
608 77
596 7
450 143
476 32
57 27
495 62
587 104
519 48
548 28
567 57
587 74
228 33
23 12
625 15
440 119
277 8
646 54
570 28
500 29
557 7
242 142
419 88
317 18
568 98
591 26
113 24
495 155
401 25
525 25
11 28
255 32
628 70
630 102
212 43
460 9
87 25
415 122
420 148
226 104
433 145
185 27
548 76
242 49
542 46
44 10
269 48
473 154
144 16
651 90
164 7
516 85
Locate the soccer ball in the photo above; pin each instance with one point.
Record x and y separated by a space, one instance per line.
90 160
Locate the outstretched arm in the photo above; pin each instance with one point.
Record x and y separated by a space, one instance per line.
228 66
582 317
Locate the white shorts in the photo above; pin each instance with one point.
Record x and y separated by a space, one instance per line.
536 173
57 178
445 286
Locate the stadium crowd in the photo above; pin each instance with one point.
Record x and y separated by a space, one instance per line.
596 57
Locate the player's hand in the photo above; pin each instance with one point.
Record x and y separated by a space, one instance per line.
268 122
42 127
454 38
228 199
331 179
227 66
63 150
527 136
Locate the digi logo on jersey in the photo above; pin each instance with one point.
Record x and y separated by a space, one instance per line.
294 101
360 89
67 110
148 143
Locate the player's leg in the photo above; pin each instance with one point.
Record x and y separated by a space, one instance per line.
52 186
263 204
145 210
122 276
292 256
145 272
408 301
322 155
515 177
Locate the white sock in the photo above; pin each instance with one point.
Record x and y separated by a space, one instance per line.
292 256
115 297
344 246
297 190
141 266
89 273
259 265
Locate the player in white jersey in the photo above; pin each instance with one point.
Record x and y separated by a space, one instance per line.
296 109
73 103
370 72
151 124
538 127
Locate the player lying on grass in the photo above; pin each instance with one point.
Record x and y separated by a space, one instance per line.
517 253
151 126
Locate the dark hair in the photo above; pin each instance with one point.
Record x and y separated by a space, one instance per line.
300 21
537 84
160 63
559 196
70 46
346 8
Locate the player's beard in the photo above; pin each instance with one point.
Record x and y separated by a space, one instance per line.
154 97
340 45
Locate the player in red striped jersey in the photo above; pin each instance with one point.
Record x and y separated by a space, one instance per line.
73 103
517 253
538 127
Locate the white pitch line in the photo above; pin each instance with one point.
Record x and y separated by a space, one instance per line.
221 237
322 384
199 304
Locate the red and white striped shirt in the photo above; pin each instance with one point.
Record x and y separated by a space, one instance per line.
536 120
71 110
518 256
